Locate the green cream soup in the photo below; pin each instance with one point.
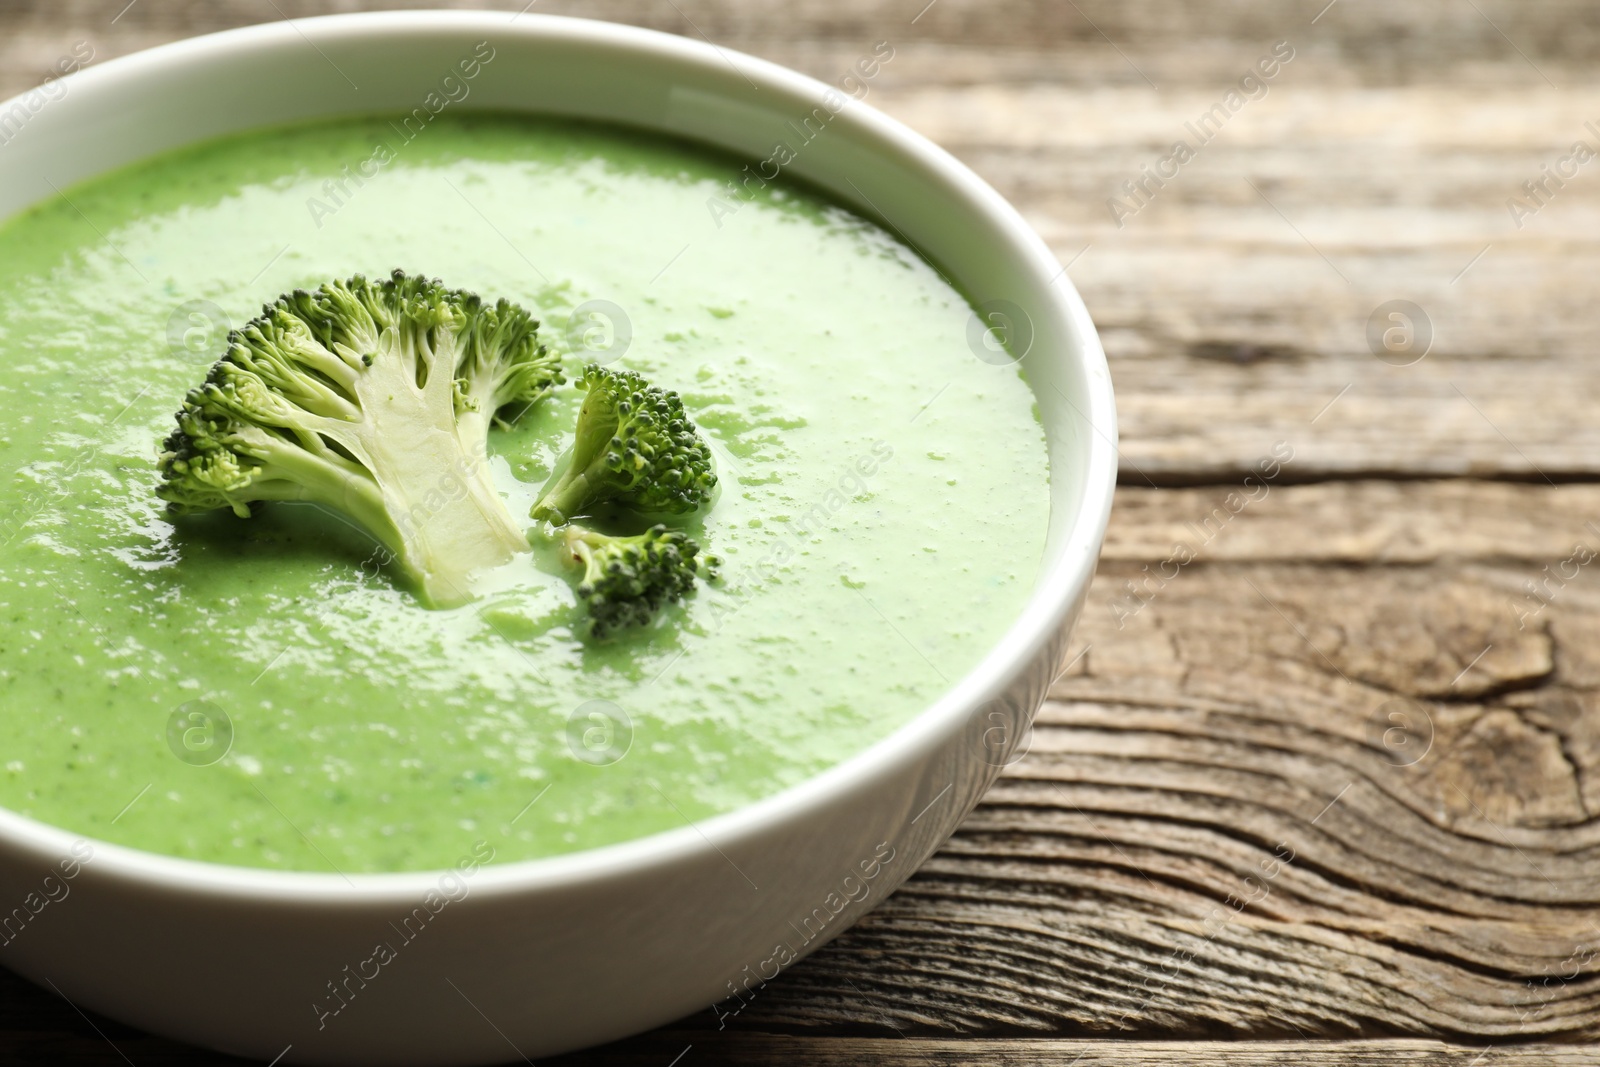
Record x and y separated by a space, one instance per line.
266 692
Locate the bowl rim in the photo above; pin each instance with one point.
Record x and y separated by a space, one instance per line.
1064 575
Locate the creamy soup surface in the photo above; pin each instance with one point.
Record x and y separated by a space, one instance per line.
264 692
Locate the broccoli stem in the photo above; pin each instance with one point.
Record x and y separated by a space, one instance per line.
571 493
582 542
440 513
457 527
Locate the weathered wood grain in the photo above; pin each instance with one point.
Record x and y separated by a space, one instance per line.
772 1051
1360 523
671 1048
1390 673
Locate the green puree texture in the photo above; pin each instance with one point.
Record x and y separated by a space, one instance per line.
882 515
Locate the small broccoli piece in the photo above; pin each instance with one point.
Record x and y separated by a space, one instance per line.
372 399
626 580
634 445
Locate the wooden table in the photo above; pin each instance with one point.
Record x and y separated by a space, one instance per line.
1321 786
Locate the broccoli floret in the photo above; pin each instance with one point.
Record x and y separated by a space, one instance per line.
373 399
634 445
626 580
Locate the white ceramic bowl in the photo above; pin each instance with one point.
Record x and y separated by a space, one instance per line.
556 954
